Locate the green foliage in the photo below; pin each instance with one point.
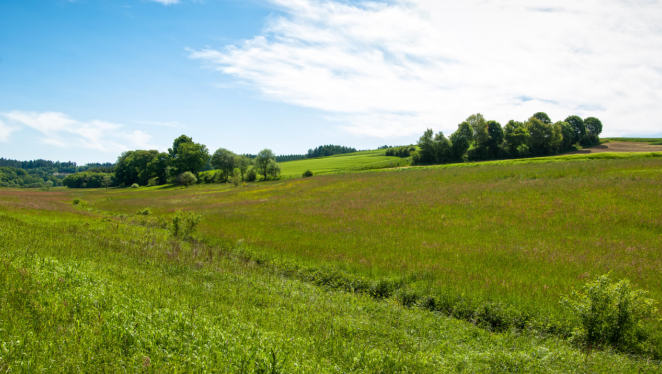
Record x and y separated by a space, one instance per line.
329 150
593 125
135 185
542 136
496 138
242 163
153 182
75 201
403 152
144 212
141 166
236 177
517 138
567 133
88 180
251 175
263 161
184 224
307 174
578 128
187 179
612 314
224 161
543 117
273 169
187 156
48 185
460 141
33 178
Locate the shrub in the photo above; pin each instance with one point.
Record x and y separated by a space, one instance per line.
307 173
236 178
184 224
187 179
75 201
135 185
611 314
251 175
144 212
153 182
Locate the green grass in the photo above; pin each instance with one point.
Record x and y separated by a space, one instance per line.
637 140
87 292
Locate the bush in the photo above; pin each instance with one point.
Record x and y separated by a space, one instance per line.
251 175
153 182
187 179
185 224
75 201
144 212
611 314
135 185
307 174
236 178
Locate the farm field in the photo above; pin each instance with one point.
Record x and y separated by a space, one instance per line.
83 291
622 146
520 233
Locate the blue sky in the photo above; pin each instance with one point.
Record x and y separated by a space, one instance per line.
84 80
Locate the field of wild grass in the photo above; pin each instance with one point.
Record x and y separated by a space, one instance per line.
83 290
341 163
522 233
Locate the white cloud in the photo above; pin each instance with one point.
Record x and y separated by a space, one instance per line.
393 69
167 2
5 131
63 131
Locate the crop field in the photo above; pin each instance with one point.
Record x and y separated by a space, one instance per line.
512 235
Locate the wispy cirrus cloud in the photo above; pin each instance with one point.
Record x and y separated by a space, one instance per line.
394 68
63 131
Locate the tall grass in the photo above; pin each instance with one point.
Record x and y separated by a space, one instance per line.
86 292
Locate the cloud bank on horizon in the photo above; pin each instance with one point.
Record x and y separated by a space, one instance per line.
389 69
60 130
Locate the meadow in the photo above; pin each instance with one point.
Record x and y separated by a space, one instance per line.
496 245
83 290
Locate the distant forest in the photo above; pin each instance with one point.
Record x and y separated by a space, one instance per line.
54 167
321 151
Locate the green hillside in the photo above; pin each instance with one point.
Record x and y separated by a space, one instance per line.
340 163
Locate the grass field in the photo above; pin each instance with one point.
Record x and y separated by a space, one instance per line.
519 231
82 291
512 235
637 140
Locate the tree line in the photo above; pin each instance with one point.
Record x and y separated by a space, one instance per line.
479 139
52 167
329 150
20 178
181 164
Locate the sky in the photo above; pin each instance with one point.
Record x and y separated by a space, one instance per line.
84 80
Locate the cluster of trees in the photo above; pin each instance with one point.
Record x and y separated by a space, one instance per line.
88 179
329 150
181 164
479 139
404 151
32 178
51 167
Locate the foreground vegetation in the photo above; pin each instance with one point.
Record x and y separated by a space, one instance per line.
87 291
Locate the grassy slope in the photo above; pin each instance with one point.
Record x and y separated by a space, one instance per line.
638 140
341 163
523 231
83 293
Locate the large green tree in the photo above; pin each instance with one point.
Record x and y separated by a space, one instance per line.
140 166
426 147
593 125
543 117
224 161
578 128
568 134
517 138
495 132
186 155
262 161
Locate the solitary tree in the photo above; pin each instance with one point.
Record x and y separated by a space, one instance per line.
262 161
